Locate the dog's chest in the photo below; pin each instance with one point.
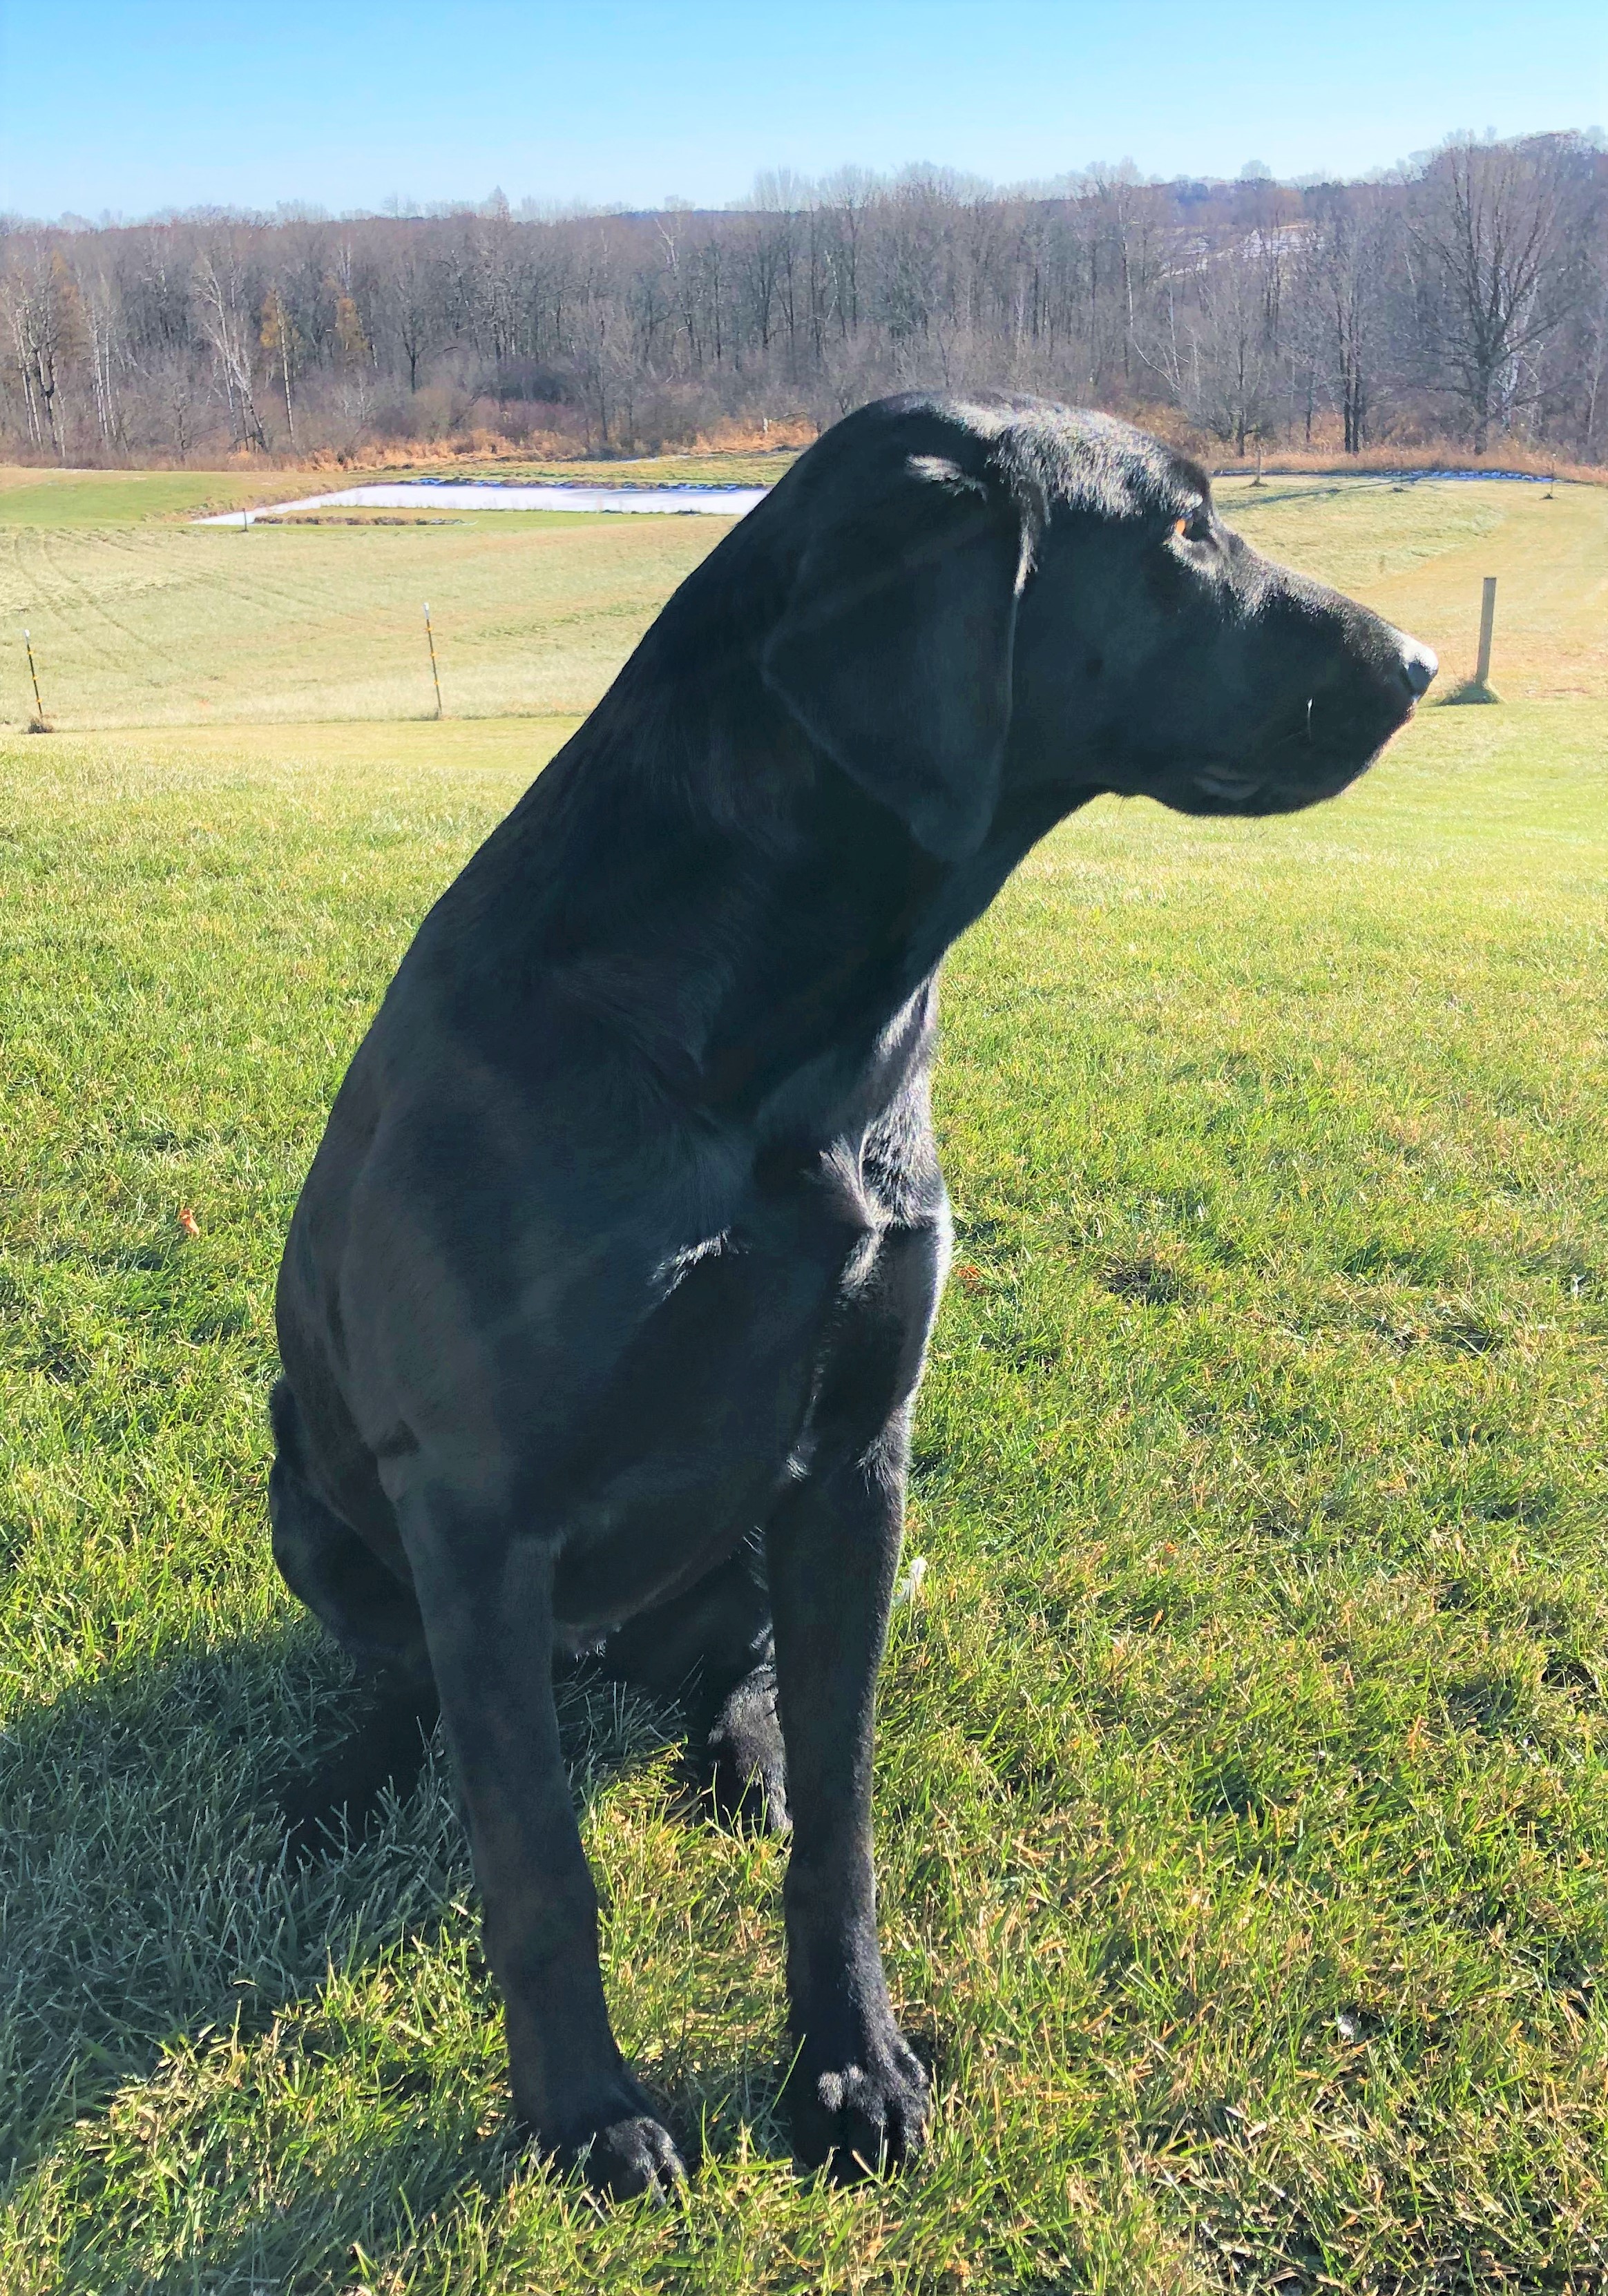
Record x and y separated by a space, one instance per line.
758 1365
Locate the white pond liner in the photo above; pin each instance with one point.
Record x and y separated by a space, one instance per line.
490 494
710 500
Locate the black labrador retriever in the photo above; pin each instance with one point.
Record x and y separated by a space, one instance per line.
605 1301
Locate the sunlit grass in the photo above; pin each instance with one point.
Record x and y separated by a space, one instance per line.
162 625
140 618
1243 1802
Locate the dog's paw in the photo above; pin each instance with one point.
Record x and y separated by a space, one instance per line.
746 1764
619 2144
630 2159
859 2114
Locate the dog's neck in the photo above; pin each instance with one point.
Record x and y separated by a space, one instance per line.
723 895
843 997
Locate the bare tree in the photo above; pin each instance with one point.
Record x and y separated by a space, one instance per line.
1345 261
1486 221
279 338
1216 347
223 298
1594 328
1471 287
44 310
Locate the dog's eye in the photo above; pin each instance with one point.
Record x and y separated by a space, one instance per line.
1195 527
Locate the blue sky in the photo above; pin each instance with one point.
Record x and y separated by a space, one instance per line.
132 106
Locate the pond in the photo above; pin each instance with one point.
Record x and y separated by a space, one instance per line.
495 494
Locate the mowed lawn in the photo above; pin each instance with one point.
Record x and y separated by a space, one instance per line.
141 618
153 620
1243 1791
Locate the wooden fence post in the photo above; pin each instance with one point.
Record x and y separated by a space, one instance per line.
1488 621
430 636
41 723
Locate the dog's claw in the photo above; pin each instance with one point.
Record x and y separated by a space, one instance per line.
863 2119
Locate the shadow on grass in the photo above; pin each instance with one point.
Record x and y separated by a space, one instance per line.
147 1906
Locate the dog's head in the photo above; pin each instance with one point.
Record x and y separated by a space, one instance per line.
995 600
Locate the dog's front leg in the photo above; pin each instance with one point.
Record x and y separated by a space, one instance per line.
858 2094
487 1604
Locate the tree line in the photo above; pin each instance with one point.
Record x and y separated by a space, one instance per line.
1463 297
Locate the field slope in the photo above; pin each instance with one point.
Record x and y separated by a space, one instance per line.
1243 1783
141 618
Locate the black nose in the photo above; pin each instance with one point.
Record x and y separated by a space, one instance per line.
1418 668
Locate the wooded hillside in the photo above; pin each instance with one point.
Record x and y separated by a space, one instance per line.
1463 298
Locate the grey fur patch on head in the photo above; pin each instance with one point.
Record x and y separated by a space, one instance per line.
1087 460
1066 455
1053 457
940 471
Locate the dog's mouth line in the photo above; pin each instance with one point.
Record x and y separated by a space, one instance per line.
1232 788
1300 750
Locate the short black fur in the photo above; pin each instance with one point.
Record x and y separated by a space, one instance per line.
605 1303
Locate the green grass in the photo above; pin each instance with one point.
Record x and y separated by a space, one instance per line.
99 499
720 466
73 498
1242 1792
144 620
184 625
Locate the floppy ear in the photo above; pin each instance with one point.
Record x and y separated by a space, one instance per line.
893 651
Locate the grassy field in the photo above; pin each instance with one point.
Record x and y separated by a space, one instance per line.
732 467
151 620
1243 1782
139 618
93 500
